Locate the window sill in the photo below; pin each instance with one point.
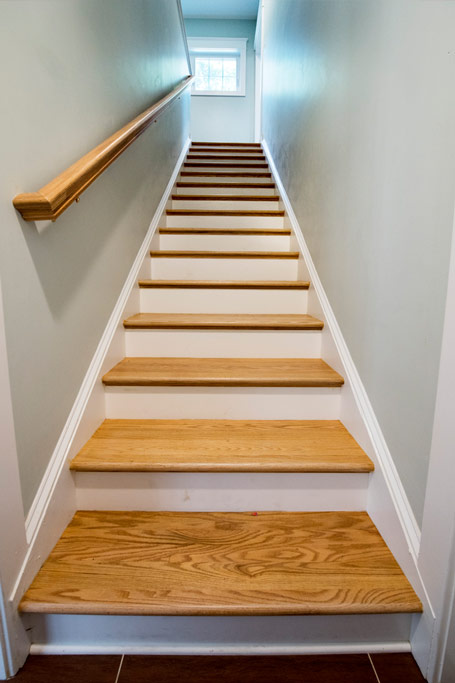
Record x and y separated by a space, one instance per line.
211 93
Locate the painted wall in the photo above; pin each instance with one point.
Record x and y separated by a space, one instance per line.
77 71
358 112
224 119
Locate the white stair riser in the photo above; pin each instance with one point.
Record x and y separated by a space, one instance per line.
223 269
229 403
224 343
220 205
251 167
262 191
223 301
225 242
82 634
226 491
210 221
225 179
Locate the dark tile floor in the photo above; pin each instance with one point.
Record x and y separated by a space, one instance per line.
382 668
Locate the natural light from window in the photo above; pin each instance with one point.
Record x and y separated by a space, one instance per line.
219 66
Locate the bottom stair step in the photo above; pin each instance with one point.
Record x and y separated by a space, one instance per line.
267 563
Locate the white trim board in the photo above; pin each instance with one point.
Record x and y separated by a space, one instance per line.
388 504
55 503
297 634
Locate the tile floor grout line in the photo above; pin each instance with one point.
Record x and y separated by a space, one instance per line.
119 669
371 662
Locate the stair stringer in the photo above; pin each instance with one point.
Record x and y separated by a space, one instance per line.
55 502
387 502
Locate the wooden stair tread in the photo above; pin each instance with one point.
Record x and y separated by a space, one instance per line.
220 563
221 446
224 284
267 186
223 372
177 253
227 174
223 212
285 232
224 157
210 164
232 321
227 144
225 198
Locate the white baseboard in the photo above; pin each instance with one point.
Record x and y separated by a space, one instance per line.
388 504
55 501
233 650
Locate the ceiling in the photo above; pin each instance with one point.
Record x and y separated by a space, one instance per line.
220 9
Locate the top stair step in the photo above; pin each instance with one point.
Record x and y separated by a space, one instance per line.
220 563
226 144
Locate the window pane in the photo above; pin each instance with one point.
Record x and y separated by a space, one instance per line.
201 73
216 73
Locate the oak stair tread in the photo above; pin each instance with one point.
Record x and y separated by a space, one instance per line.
285 232
178 253
223 212
220 563
225 157
210 164
227 174
230 321
223 372
268 186
224 284
225 198
227 144
221 446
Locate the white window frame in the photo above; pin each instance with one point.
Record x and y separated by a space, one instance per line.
219 45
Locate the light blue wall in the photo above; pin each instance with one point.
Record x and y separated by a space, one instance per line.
358 111
224 119
77 71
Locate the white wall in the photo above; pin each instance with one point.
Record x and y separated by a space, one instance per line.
358 112
219 118
74 71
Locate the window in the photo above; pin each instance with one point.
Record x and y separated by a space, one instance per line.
219 65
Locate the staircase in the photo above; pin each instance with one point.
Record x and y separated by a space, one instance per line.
222 482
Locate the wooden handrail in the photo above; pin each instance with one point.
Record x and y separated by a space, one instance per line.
52 199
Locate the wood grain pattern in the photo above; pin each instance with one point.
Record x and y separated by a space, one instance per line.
220 563
225 231
175 253
221 446
227 174
50 201
228 157
223 372
268 186
224 284
223 321
226 198
226 144
223 212
195 164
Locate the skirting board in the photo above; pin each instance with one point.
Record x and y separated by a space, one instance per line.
388 504
55 502
218 635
